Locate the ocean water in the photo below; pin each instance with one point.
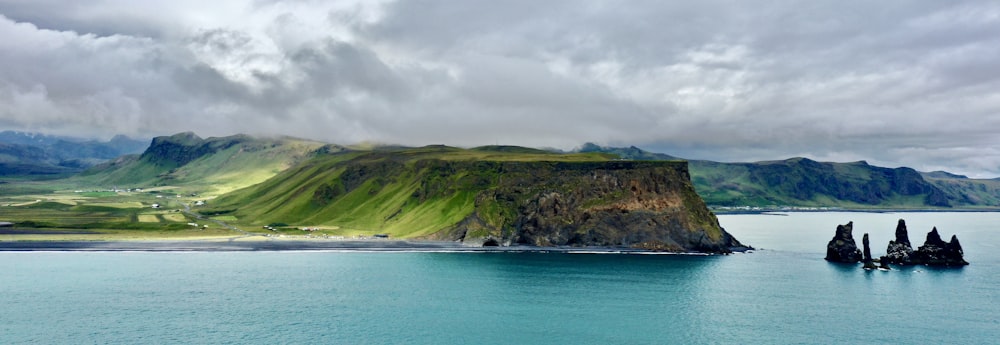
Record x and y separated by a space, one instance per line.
785 293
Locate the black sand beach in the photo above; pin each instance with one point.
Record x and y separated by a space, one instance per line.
285 245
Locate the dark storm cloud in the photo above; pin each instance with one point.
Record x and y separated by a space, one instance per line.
912 83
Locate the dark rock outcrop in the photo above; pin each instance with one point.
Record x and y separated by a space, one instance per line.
937 252
842 247
182 148
867 261
899 251
647 205
883 263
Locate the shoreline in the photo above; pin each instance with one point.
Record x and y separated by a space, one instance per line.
873 210
235 245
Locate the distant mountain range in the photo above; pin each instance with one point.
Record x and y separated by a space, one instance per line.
229 163
24 153
805 182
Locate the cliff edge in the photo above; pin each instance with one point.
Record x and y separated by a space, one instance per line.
490 196
650 205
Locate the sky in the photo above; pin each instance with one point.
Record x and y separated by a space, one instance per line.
896 83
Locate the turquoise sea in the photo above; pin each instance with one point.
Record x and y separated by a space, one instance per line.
783 294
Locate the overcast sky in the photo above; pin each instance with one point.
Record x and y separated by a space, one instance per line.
896 83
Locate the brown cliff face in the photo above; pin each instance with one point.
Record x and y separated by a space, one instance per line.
650 205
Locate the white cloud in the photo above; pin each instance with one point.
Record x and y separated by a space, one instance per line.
913 84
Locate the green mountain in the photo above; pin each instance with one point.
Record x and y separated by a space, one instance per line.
630 153
207 166
964 191
804 182
505 194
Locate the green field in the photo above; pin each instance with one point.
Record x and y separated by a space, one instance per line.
96 216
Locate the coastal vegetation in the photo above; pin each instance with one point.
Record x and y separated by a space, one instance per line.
511 195
496 194
98 216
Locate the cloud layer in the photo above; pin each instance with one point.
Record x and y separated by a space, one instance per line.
914 83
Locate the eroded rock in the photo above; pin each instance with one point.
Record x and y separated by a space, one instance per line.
867 261
899 251
843 248
937 252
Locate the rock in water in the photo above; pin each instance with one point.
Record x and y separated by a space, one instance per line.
883 263
899 251
842 247
937 252
869 264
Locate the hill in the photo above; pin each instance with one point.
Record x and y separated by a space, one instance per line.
504 194
965 191
630 153
804 182
208 166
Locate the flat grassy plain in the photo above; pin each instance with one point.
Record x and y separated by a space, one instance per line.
73 215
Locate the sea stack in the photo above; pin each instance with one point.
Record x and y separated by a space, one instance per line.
899 251
869 264
937 252
842 247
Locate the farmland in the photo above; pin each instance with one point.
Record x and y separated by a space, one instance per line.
99 215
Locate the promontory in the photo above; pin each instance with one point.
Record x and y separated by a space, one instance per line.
497 195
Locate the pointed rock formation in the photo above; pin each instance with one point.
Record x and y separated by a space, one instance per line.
842 247
899 251
869 264
937 252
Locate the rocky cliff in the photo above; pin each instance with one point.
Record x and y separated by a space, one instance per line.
648 205
182 148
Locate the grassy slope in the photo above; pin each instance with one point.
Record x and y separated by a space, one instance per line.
218 165
803 182
397 192
243 164
969 192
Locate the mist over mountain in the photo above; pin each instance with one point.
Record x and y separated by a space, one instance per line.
24 153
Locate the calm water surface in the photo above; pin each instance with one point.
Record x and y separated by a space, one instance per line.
783 294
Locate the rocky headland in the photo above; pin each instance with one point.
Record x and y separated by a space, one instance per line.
647 205
492 196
